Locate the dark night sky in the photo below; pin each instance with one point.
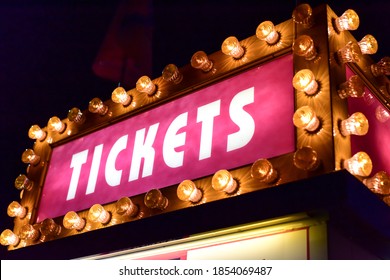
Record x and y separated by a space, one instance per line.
48 49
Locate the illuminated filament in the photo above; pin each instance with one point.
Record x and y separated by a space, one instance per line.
23 183
382 67
125 207
35 132
50 228
187 191
306 158
266 31
73 221
200 61
16 210
30 157
120 95
55 124
306 118
379 183
304 80
97 106
382 114
360 164
353 87
303 15
356 124
223 181
304 46
172 74
349 53
75 115
97 214
145 85
28 232
154 199
231 46
263 170
349 20
368 44
7 238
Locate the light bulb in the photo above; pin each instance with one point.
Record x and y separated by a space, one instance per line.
303 15
360 164
231 46
125 207
23 183
55 124
187 191
29 232
368 44
200 61
75 115
349 53
16 210
353 87
30 157
7 238
356 124
73 221
97 214
266 31
172 74
50 228
382 67
146 85
306 158
382 114
379 183
263 170
349 20
120 95
304 80
154 199
35 132
304 46
306 118
223 181
97 106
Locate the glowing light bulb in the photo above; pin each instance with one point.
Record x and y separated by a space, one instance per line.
306 118
97 106
304 80
356 124
223 181
201 61
154 199
16 210
28 232
360 164
7 238
30 157
303 15
266 31
231 46
368 44
349 53
187 191
97 214
55 124
23 183
49 228
304 46
145 85
126 207
349 20
75 115
172 74
382 67
379 183
382 114
306 158
73 221
35 132
263 170
353 87
120 95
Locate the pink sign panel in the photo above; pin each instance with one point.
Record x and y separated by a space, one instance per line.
224 126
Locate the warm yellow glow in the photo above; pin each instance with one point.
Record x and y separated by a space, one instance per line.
201 61
350 53
187 191
30 157
263 170
50 228
7 238
349 20
306 158
382 67
360 164
306 118
35 132
382 114
154 199
23 183
146 85
304 80
172 74
303 14
55 124
356 124
353 87
28 232
73 221
368 44
223 181
304 46
97 106
120 95
379 183
97 214
231 46
266 31
75 115
16 210
126 207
